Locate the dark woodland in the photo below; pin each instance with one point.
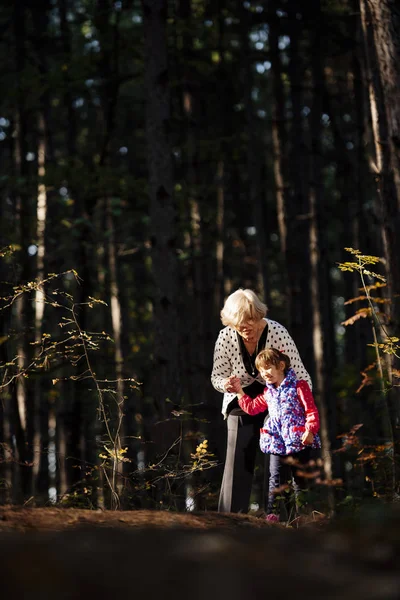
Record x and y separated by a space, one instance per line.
154 157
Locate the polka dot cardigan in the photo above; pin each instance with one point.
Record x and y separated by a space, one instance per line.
228 359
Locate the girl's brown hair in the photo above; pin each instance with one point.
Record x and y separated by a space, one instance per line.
272 356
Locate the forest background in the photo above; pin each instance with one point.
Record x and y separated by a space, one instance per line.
155 156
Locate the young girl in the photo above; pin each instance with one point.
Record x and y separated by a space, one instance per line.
291 428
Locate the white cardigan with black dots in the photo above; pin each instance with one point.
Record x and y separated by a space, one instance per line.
228 358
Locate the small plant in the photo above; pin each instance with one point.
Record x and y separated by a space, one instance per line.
383 342
381 458
66 353
71 346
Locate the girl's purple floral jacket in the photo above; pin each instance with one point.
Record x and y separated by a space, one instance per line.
292 411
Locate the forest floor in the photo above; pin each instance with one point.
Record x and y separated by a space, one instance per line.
23 519
14 518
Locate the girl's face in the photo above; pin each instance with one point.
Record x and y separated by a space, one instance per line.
273 374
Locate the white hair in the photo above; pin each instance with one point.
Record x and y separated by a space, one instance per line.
242 306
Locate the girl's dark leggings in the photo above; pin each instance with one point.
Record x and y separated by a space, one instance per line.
280 473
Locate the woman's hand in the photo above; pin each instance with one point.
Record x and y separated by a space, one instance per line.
307 438
236 385
232 384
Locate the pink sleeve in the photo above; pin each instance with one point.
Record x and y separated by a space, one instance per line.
307 400
253 406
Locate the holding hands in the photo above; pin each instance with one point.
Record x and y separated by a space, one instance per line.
233 384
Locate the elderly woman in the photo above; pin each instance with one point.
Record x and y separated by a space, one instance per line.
246 332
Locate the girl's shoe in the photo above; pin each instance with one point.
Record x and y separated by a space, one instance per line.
272 518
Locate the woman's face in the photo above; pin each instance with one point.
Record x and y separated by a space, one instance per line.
249 330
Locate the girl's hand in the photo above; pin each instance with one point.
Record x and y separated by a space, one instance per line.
307 438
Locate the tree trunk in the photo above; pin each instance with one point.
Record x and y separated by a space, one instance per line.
26 221
319 297
381 26
279 157
256 194
166 380
109 69
41 46
41 465
298 222
118 427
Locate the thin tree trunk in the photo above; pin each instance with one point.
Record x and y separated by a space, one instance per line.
297 218
319 300
109 41
220 291
68 438
5 417
40 42
254 153
24 408
279 144
116 320
166 382
41 440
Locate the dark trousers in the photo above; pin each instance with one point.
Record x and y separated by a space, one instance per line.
242 446
280 472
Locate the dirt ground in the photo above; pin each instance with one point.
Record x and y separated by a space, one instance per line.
71 554
25 519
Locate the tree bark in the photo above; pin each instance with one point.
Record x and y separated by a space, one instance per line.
381 26
166 381
297 218
318 257
26 225
256 193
